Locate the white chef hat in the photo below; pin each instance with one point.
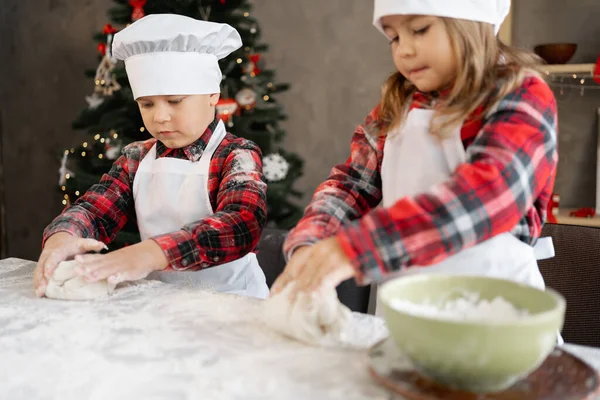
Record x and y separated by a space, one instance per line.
490 11
168 54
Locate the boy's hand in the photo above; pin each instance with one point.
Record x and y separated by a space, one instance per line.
58 248
127 264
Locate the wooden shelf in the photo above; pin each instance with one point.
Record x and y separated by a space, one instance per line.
586 69
564 218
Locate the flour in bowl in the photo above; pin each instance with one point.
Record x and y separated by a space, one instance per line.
469 308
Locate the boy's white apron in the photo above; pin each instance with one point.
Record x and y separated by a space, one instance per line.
170 193
415 160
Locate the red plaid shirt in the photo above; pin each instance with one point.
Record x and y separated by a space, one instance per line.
504 186
238 196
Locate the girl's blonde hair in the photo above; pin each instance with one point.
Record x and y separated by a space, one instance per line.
487 71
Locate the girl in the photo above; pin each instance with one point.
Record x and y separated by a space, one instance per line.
452 171
197 193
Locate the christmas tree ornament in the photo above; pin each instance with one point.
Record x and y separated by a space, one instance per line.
275 167
64 173
255 61
138 9
226 108
94 101
108 30
105 80
102 48
246 98
112 152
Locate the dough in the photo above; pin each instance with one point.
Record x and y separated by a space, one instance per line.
64 284
317 318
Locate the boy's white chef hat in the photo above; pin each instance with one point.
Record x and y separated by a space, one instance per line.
169 54
490 11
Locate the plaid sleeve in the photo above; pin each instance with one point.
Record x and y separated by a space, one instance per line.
105 208
235 228
510 165
350 191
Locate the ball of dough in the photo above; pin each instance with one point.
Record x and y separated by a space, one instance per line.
316 318
64 284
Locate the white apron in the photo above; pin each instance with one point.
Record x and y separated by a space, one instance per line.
170 193
414 160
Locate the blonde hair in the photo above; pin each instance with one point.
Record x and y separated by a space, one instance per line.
487 71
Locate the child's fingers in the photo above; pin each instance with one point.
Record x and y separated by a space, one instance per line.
39 281
280 283
85 245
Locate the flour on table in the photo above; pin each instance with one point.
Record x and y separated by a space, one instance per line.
315 318
469 307
65 284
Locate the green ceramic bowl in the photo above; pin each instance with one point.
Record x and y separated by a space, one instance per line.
477 356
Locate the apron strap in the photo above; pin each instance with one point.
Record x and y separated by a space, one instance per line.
543 248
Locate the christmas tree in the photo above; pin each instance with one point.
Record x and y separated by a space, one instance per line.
247 107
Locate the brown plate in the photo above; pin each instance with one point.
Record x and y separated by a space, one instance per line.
562 376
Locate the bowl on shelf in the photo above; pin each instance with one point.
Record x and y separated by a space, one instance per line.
556 53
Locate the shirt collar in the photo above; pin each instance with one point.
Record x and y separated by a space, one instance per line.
192 151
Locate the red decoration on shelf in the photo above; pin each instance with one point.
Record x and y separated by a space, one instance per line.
584 212
138 9
108 29
553 208
226 108
102 48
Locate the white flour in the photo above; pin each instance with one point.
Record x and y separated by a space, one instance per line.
469 307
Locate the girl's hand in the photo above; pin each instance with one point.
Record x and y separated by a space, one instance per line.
58 248
323 266
127 264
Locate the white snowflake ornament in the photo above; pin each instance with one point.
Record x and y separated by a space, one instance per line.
275 167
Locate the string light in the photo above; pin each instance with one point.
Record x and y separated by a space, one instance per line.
66 196
102 140
67 176
270 84
246 14
83 154
239 60
72 151
64 188
64 202
142 129
66 152
265 97
97 136
77 193
100 156
115 135
84 144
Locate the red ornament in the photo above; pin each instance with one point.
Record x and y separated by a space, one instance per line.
108 29
255 59
553 208
138 9
222 1
226 108
102 48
